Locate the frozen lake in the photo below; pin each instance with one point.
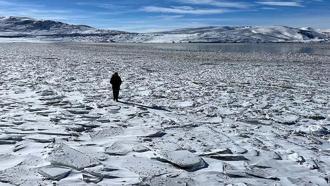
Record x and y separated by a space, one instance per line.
196 114
274 48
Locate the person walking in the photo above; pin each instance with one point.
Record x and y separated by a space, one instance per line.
115 82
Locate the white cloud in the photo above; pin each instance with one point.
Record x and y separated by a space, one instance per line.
182 10
224 4
281 3
10 8
108 6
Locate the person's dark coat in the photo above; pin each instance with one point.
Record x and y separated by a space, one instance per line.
115 82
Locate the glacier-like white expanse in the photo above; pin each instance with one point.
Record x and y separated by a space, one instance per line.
189 114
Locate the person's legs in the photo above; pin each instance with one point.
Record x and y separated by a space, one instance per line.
115 94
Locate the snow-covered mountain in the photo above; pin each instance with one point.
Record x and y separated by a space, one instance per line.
240 35
24 26
54 30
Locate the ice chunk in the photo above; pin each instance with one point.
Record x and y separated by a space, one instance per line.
123 148
238 150
185 160
91 117
54 173
228 157
163 180
118 148
8 161
78 111
102 171
185 104
263 173
91 178
145 132
107 132
155 134
41 138
311 180
286 119
67 156
296 157
276 156
146 167
317 130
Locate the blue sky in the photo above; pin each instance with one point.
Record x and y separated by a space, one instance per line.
156 15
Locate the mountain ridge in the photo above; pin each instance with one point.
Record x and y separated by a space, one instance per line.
25 27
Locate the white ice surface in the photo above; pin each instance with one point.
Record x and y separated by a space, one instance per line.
253 118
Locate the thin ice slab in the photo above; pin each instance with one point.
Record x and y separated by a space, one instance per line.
69 157
185 160
54 173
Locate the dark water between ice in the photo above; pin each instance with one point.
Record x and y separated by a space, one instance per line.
275 48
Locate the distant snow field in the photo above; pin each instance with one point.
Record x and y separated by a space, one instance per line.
189 114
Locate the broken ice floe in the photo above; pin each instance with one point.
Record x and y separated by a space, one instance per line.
123 148
266 129
54 173
184 159
69 157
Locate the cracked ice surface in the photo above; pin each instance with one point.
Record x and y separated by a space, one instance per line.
196 114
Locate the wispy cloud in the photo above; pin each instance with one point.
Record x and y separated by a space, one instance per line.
182 10
224 4
108 6
151 25
155 15
281 3
39 11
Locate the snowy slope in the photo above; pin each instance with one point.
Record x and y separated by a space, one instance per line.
239 34
57 31
226 34
24 26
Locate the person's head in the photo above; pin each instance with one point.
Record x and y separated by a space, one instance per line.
116 74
